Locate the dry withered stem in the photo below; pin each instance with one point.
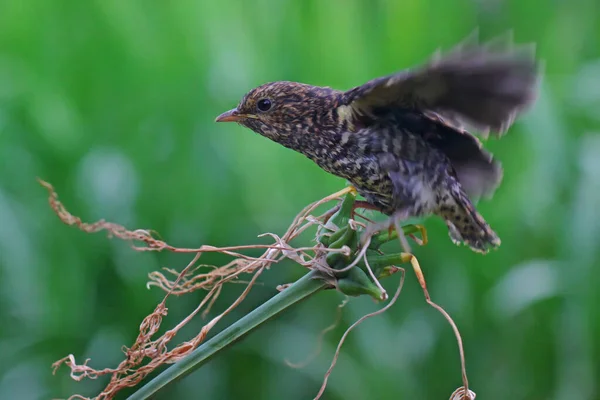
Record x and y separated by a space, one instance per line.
149 352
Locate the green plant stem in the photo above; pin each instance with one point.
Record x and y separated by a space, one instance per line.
301 289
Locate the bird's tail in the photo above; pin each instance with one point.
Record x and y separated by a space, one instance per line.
466 225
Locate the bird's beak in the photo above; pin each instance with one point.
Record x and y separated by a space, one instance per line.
230 116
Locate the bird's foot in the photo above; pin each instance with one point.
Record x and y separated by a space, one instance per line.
364 205
340 193
422 241
397 218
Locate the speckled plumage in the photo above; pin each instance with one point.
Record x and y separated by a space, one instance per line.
400 139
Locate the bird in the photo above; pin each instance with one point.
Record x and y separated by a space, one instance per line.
405 140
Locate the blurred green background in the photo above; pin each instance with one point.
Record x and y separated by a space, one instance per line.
113 102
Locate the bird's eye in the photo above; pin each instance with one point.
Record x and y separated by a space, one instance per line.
264 105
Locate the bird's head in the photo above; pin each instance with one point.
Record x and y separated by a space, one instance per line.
284 111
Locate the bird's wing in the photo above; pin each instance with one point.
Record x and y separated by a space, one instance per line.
477 171
481 86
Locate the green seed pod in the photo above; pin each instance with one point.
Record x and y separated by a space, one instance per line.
357 283
386 236
338 220
326 238
388 271
380 262
381 238
333 259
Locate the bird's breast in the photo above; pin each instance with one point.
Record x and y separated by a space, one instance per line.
369 157
346 155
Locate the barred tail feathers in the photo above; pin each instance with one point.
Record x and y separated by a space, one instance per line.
466 225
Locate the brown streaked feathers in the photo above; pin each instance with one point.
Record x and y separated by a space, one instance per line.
401 140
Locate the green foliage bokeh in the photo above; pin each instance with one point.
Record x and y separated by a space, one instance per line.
113 102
